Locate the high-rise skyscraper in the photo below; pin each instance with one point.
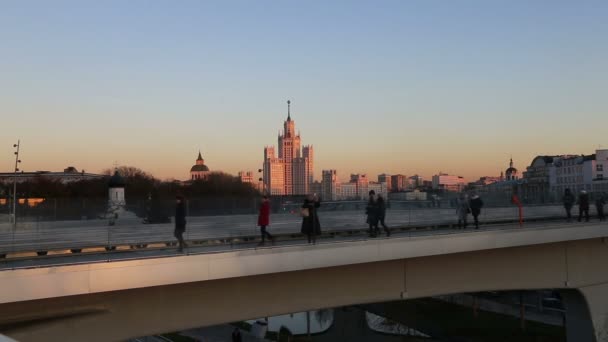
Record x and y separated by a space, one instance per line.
291 171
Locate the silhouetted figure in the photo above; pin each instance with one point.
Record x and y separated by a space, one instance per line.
568 201
236 335
180 222
264 219
382 214
462 210
599 206
311 226
371 210
583 206
476 204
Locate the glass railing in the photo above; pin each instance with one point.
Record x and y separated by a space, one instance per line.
69 227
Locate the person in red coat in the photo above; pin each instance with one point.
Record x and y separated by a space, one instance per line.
264 219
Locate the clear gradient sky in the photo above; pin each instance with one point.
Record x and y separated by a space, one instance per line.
376 86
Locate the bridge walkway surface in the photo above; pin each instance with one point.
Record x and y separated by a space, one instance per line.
250 242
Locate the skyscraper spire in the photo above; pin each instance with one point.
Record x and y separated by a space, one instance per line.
288 110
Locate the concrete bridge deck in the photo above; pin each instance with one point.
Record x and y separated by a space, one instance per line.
205 286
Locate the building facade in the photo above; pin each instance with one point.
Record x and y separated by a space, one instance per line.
398 183
290 171
246 177
69 174
585 172
415 181
447 182
199 171
330 186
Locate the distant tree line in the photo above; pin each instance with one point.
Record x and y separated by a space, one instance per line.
139 184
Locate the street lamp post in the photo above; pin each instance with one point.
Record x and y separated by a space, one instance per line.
261 180
17 161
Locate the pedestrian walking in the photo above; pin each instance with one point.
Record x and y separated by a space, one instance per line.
180 223
311 226
236 335
264 219
583 206
599 206
371 210
382 214
568 201
462 210
476 204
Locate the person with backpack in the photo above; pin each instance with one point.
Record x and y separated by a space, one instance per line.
311 226
568 201
476 204
264 220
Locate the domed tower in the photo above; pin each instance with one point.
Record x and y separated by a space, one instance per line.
511 173
199 170
116 190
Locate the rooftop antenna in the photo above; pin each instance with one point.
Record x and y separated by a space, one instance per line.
288 110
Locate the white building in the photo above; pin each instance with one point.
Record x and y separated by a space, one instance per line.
348 191
116 191
579 173
246 177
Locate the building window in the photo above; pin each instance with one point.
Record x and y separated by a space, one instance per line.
600 176
599 167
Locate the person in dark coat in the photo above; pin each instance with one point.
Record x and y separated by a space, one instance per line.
476 204
463 209
236 335
371 210
264 219
382 214
583 206
599 206
311 226
180 223
568 201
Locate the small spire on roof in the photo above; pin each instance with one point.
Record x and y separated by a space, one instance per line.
288 110
200 157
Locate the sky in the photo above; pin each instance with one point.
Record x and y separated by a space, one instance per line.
410 87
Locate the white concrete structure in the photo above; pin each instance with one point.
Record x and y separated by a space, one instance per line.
116 191
290 172
125 299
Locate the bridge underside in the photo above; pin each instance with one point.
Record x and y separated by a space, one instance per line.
119 315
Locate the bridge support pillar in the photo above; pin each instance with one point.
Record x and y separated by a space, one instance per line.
587 313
